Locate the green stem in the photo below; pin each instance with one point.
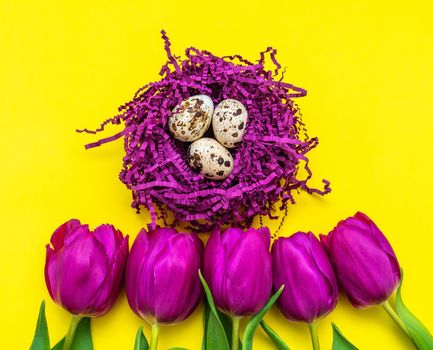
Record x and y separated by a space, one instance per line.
71 332
390 311
314 335
235 332
154 336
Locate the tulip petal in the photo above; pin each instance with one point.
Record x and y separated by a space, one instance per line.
323 265
79 273
110 288
377 235
247 289
166 292
301 264
264 233
237 266
48 280
368 280
213 263
162 282
365 263
213 246
299 297
134 266
183 293
62 232
82 267
108 237
81 231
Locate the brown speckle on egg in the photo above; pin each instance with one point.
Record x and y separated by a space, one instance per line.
191 118
230 129
210 158
194 160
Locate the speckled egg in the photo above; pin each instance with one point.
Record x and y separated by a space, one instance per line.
191 118
210 158
229 122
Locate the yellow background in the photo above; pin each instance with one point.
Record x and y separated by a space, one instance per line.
66 64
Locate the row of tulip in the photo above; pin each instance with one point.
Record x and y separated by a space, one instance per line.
85 271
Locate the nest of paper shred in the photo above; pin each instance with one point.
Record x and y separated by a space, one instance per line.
266 163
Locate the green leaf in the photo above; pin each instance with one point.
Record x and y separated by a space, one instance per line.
83 336
215 336
41 339
339 342
140 340
256 319
226 321
421 337
279 343
214 333
206 313
59 345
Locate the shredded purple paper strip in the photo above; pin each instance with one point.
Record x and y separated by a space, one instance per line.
265 165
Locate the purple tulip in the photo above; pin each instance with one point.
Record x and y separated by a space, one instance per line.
84 269
366 266
238 269
162 281
301 264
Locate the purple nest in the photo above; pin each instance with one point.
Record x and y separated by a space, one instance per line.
266 163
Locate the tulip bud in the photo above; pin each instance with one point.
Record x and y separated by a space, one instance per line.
366 266
84 269
238 269
301 264
162 281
